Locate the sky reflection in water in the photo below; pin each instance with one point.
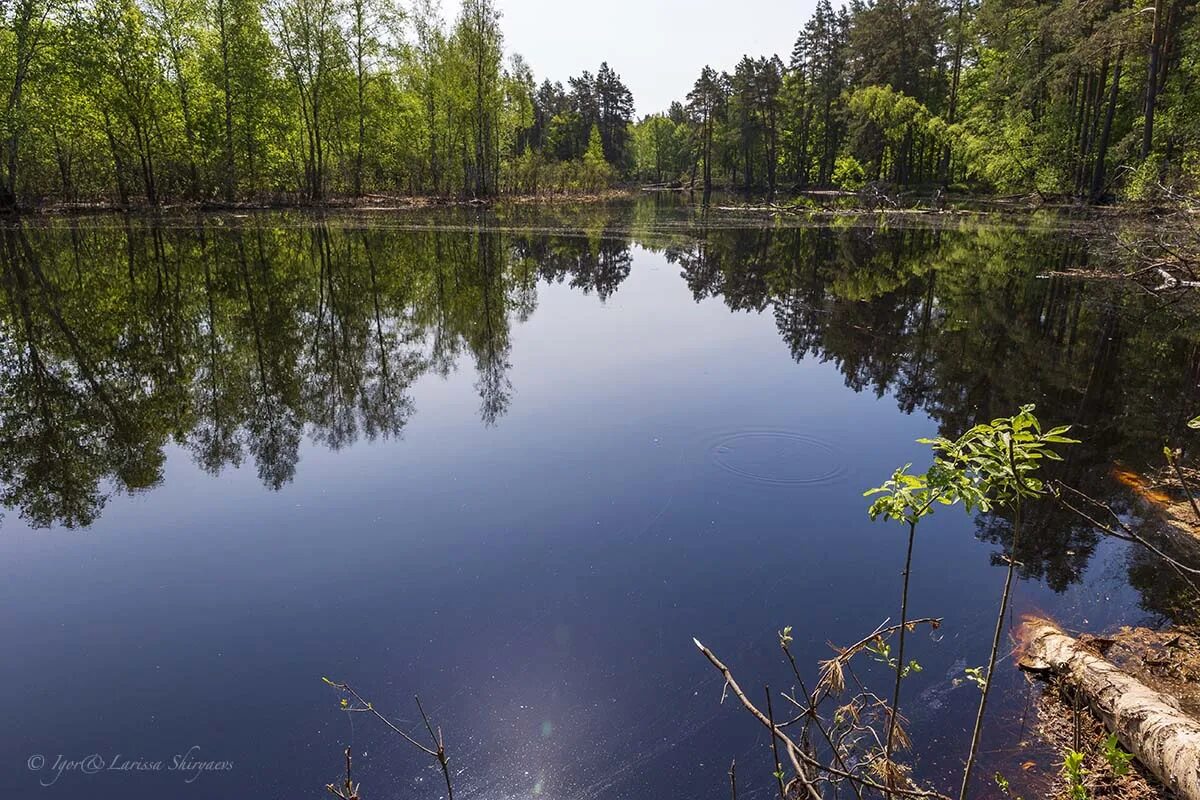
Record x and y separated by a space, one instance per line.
515 471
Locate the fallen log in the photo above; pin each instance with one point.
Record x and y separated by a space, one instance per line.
1148 724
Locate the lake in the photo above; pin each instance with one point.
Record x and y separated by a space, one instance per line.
512 461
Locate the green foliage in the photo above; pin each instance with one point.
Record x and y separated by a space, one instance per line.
785 637
925 93
1073 773
907 498
975 675
1000 458
883 125
1118 760
662 148
881 652
849 173
596 171
1142 182
1003 785
149 100
138 101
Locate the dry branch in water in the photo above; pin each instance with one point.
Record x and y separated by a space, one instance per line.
349 789
437 751
808 769
1148 723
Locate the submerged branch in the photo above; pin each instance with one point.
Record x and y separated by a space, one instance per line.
795 753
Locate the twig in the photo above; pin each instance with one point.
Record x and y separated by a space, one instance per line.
369 708
795 753
348 791
1126 534
1008 580
811 713
441 748
438 751
891 732
844 654
778 772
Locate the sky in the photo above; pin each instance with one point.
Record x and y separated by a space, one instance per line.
657 46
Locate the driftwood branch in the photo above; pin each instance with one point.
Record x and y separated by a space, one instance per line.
1149 724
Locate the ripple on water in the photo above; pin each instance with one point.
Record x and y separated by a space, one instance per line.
777 458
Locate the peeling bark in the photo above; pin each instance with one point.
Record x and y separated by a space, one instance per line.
1148 723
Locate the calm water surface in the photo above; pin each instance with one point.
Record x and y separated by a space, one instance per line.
512 462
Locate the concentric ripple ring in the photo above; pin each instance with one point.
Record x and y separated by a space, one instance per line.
777 458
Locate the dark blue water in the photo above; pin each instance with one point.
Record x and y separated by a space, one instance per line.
515 473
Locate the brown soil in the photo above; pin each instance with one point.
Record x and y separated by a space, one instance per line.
1166 661
1062 729
1164 492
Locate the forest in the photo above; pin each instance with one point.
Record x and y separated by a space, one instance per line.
1088 100
147 102
299 100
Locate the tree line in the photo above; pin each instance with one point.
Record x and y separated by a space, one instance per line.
151 101
219 101
1090 100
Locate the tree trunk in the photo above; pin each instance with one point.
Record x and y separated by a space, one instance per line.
830 152
707 154
955 74
772 151
318 148
1106 132
229 179
1152 80
360 74
1149 724
118 163
802 160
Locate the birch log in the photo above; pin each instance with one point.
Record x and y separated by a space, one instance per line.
1148 723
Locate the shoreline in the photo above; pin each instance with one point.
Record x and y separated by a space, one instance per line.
371 202
811 203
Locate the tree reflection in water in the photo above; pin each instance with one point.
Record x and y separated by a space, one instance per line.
239 338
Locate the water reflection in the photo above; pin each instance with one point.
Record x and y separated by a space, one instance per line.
238 338
967 325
